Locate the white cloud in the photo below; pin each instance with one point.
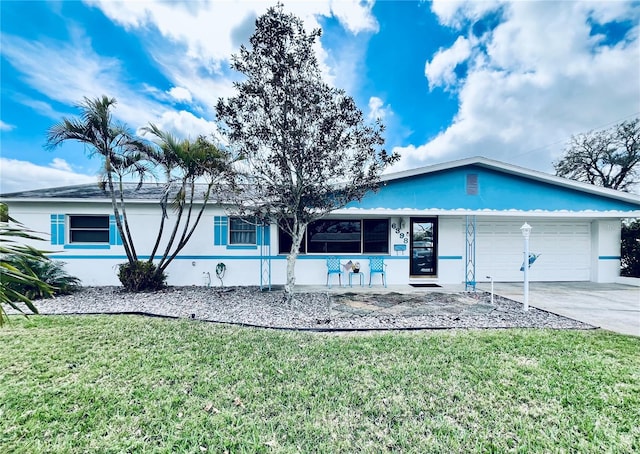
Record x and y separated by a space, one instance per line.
43 108
536 79
377 109
440 71
455 13
202 47
184 124
205 87
211 31
22 175
355 15
6 126
206 29
48 66
180 94
60 164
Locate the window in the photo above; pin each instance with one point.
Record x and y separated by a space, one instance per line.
285 242
347 236
89 229
242 231
375 236
330 235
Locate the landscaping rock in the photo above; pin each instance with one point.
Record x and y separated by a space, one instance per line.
313 310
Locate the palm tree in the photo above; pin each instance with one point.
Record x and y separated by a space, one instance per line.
185 163
15 269
122 152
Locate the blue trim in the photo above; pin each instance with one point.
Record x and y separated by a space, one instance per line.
114 235
449 257
87 246
88 257
57 229
217 257
220 230
241 247
346 256
609 257
263 231
227 257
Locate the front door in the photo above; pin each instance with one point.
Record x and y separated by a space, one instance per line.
423 246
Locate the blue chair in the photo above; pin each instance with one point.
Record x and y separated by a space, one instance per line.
334 267
377 266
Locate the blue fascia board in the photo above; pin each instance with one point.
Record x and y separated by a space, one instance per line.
501 191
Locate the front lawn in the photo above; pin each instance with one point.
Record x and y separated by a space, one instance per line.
135 384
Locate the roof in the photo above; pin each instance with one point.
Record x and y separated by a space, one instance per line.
153 191
146 192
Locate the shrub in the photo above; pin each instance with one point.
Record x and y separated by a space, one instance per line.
51 272
141 276
630 250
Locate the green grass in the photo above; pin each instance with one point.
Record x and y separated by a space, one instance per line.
133 384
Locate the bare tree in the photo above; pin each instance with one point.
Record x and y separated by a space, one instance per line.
307 150
608 158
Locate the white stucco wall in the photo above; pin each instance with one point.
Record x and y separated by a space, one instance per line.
243 265
451 250
605 250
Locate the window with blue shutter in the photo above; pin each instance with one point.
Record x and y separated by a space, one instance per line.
84 231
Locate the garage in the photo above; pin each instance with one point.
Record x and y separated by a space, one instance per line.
564 248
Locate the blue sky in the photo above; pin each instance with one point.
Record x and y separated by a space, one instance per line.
510 81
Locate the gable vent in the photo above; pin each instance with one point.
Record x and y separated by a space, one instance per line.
472 184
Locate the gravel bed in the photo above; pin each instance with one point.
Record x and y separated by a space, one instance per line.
308 311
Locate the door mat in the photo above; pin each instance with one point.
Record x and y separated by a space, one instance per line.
424 285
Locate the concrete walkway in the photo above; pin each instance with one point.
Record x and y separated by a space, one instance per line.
613 307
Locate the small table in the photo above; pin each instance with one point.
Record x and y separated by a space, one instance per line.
360 275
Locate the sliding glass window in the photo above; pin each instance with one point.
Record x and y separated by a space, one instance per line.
342 236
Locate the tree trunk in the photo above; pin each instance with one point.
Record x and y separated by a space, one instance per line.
296 239
114 203
129 241
291 274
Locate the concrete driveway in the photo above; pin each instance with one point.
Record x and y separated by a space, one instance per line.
613 307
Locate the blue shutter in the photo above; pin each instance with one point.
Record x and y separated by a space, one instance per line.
220 230
114 235
57 229
263 231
